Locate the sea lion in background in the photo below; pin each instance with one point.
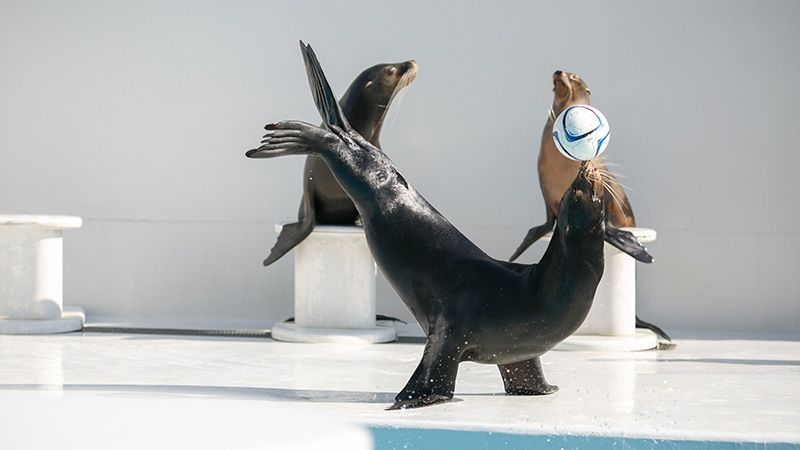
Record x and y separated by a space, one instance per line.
324 202
557 172
471 307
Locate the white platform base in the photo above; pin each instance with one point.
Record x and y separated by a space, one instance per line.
642 340
290 332
72 319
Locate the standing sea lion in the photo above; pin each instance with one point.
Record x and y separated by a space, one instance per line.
471 306
557 172
324 202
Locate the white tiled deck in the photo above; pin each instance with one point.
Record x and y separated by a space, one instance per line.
78 384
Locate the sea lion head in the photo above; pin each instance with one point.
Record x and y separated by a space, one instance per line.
568 89
582 209
368 98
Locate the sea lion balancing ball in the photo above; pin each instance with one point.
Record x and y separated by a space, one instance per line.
581 132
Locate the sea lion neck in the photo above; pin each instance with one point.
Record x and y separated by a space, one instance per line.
364 114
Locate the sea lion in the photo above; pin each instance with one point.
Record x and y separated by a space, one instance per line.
324 202
471 307
557 172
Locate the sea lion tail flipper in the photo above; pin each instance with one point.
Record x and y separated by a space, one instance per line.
291 235
525 378
389 319
652 327
534 234
626 241
324 98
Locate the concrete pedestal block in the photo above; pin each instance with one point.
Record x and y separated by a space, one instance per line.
31 275
611 323
334 290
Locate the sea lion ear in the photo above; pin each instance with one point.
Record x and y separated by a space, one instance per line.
369 83
326 102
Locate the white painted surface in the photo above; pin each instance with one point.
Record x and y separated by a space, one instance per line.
130 422
71 319
613 311
376 334
41 221
334 279
641 339
723 389
31 274
136 117
334 290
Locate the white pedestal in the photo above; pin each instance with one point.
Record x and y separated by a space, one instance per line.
31 275
613 312
611 323
334 298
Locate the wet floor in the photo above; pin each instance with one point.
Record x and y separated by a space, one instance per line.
257 388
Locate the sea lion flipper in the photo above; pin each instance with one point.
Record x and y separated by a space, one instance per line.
291 235
652 327
626 241
525 378
534 234
326 102
435 378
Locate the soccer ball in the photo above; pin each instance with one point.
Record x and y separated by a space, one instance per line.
581 132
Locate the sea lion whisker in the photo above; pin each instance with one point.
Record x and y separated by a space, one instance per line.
397 93
614 177
615 196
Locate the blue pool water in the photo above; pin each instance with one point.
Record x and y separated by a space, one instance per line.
426 439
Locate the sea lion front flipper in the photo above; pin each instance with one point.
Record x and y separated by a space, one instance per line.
534 234
626 241
525 378
327 105
291 235
435 378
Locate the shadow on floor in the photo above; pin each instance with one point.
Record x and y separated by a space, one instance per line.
748 362
235 392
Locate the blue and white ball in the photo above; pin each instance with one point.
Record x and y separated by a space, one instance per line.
581 132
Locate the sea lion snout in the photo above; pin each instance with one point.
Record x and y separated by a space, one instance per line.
560 79
569 89
581 208
583 184
410 67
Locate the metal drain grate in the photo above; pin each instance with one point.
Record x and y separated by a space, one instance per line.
237 333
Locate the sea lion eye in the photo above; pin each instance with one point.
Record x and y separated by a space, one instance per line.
391 70
588 91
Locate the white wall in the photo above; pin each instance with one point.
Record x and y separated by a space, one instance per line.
135 116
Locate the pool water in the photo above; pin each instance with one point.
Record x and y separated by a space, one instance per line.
390 438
